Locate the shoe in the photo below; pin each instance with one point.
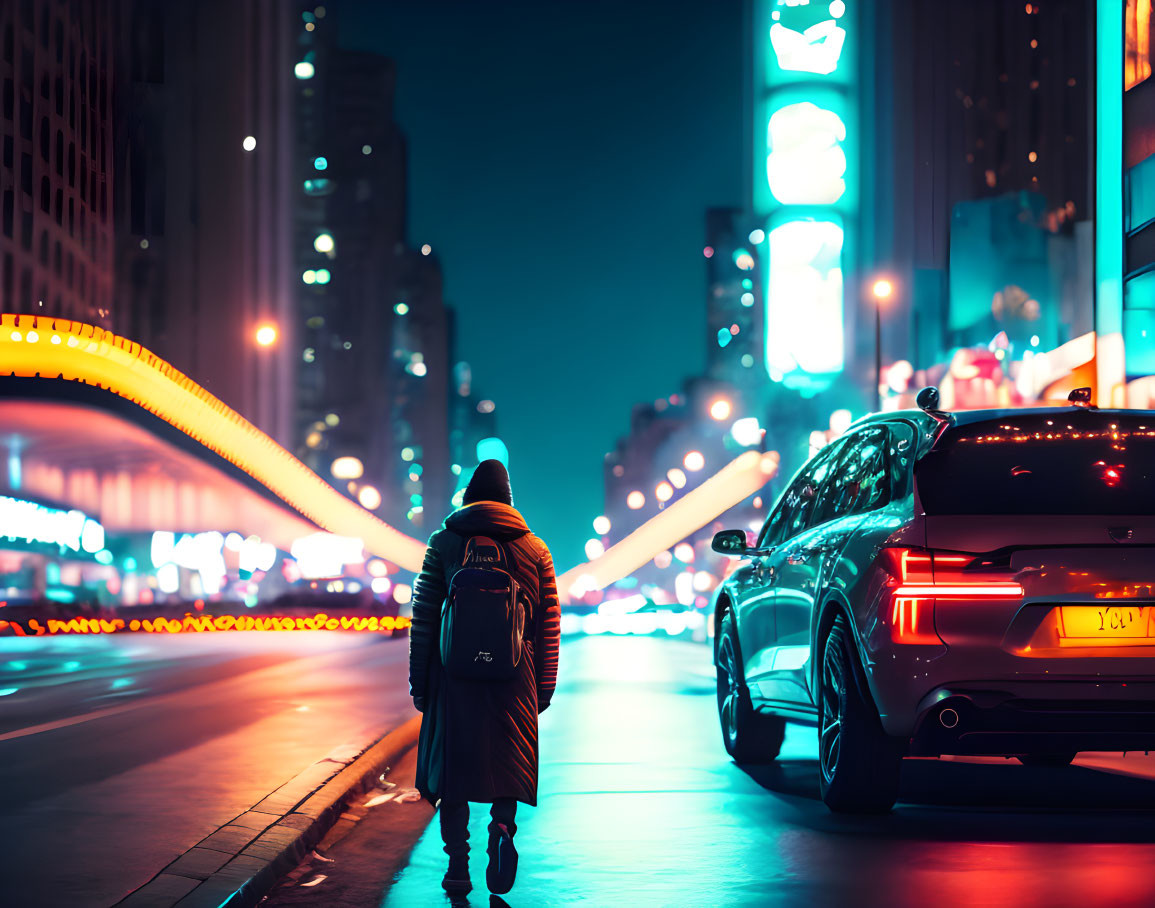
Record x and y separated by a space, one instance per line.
456 879
502 869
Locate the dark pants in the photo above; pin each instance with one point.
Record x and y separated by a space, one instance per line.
455 823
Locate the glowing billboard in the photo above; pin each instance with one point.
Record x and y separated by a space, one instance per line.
805 184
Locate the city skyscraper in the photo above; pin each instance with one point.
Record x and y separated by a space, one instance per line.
56 255
203 202
373 330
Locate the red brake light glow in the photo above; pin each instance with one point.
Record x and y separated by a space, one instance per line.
919 578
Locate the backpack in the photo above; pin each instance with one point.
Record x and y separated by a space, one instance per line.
483 618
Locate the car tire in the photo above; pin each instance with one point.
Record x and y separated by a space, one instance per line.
749 736
858 762
1055 760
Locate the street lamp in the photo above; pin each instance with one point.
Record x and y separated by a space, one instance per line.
266 335
882 291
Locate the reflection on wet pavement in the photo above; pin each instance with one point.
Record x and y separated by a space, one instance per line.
100 794
640 806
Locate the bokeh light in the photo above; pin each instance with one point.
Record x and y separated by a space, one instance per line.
369 498
720 409
347 468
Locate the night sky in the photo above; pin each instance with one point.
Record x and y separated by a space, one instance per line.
561 158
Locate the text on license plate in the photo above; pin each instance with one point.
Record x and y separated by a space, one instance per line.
1106 625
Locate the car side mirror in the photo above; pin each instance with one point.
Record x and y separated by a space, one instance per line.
730 542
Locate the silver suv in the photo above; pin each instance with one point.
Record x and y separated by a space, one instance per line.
933 583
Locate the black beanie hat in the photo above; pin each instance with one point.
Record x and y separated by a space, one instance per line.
490 482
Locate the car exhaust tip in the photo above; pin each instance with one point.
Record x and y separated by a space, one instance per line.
948 717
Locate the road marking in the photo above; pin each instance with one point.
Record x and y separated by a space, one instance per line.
64 723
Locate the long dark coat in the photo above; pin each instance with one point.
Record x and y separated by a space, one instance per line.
479 739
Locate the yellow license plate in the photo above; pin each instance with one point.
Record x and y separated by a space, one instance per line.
1106 625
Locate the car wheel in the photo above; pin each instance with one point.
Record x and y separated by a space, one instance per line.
858 762
749 736
1058 760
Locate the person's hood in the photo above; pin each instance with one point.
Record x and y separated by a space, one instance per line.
487 518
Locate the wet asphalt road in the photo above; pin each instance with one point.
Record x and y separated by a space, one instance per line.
120 753
640 806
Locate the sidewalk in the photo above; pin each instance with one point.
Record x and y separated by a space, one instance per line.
638 804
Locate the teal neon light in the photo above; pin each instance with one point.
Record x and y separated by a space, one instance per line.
805 163
1109 168
806 265
805 183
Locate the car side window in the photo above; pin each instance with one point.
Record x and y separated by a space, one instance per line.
859 480
902 448
797 503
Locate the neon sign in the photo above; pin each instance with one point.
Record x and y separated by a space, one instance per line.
805 163
814 50
325 555
808 257
30 522
804 182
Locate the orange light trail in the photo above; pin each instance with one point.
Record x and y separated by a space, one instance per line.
735 482
33 346
200 624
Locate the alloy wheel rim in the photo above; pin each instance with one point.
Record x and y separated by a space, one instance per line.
830 734
728 687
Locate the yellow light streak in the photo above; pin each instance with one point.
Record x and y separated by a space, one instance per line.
200 624
79 352
735 482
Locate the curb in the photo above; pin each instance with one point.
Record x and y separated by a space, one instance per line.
237 865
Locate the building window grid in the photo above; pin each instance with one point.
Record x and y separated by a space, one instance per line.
90 246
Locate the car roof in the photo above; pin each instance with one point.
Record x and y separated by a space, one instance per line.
968 417
926 424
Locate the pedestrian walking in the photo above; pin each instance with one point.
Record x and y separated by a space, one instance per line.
483 656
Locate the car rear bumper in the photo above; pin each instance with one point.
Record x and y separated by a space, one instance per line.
996 718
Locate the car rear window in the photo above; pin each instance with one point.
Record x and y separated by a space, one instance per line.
1081 462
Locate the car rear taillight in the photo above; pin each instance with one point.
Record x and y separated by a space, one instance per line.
920 578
